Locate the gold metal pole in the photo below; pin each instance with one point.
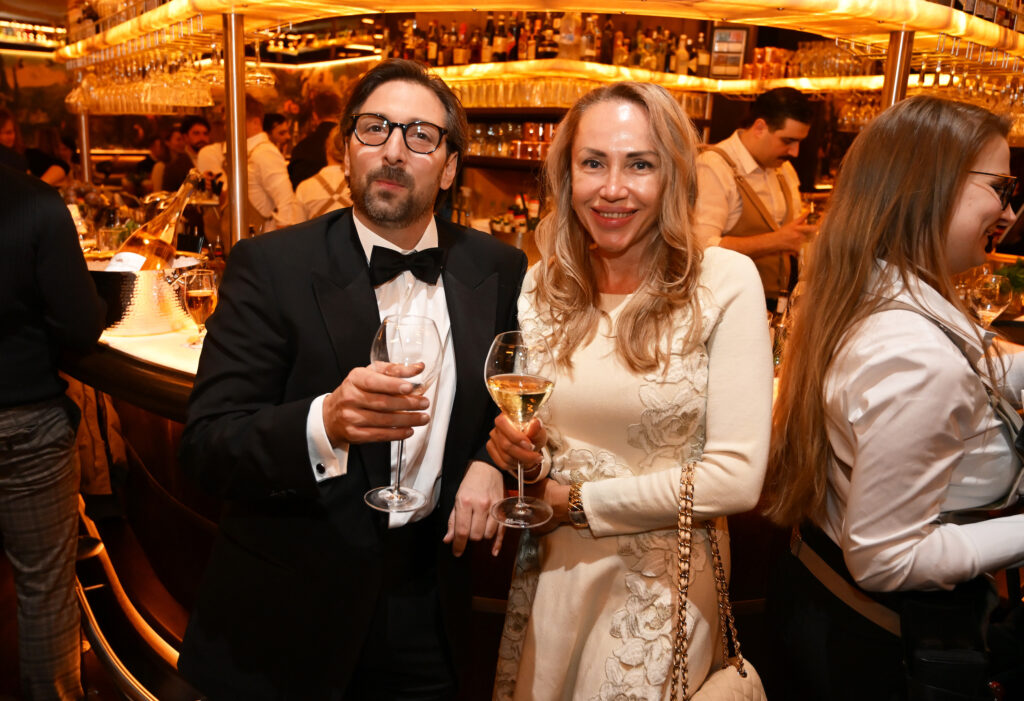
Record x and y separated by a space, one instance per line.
897 68
234 88
85 148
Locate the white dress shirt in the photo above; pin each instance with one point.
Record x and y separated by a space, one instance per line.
424 451
719 204
270 189
915 436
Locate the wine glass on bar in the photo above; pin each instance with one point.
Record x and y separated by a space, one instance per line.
410 341
200 301
989 297
517 375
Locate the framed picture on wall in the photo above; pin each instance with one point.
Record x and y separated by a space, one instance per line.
728 46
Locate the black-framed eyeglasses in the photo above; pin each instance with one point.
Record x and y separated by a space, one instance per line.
375 130
1006 188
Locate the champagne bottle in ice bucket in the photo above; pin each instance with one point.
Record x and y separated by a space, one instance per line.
153 245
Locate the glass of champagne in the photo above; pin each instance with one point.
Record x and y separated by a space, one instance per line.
517 374
989 296
200 301
410 341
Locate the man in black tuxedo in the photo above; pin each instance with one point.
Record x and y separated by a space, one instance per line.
310 154
310 594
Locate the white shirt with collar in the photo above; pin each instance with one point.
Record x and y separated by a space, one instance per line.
424 451
270 189
719 204
915 436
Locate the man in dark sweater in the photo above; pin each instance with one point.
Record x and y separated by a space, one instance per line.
309 155
48 304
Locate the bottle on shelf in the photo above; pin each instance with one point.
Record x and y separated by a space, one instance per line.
589 43
682 55
499 50
476 43
153 245
432 43
691 63
487 45
462 51
703 56
607 53
532 40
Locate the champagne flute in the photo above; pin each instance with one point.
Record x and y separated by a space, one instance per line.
200 301
989 296
516 375
407 340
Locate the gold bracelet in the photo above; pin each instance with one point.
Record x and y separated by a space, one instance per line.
577 516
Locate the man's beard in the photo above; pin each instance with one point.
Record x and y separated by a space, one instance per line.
389 208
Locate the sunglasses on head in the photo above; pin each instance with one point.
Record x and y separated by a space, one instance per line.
1005 188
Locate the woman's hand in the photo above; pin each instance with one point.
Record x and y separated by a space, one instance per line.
557 497
509 446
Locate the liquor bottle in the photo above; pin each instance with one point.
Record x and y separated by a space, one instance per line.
476 44
620 54
703 56
691 51
523 33
531 42
432 43
461 51
499 52
682 56
487 47
153 245
607 54
588 44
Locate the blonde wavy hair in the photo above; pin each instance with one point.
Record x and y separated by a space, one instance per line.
566 283
896 192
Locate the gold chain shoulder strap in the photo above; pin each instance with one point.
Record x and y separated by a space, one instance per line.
727 623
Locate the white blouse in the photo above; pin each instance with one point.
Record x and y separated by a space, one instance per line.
914 436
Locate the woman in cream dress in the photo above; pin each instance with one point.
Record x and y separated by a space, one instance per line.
662 357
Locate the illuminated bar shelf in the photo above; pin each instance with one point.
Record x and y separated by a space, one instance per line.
864 21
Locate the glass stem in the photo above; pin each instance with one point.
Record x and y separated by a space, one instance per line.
396 481
520 502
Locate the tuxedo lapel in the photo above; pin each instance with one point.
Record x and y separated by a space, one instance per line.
348 307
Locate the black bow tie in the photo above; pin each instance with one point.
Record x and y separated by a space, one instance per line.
386 263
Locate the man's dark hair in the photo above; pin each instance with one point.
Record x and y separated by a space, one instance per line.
271 120
327 106
778 105
191 120
411 72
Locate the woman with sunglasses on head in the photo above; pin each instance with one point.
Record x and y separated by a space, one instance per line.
663 364
890 426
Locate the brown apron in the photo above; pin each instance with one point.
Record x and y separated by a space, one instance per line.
756 219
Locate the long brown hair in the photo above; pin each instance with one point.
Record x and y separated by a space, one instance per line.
895 195
566 282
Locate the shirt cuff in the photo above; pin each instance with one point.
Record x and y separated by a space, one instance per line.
545 467
325 460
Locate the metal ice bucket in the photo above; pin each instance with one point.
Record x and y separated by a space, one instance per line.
145 302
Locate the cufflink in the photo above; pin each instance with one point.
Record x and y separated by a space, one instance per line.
320 469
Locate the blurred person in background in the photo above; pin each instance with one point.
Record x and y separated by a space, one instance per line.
270 192
308 155
48 305
748 194
276 126
327 190
43 159
195 134
893 440
174 147
12 149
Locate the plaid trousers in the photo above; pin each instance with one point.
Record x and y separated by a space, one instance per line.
39 478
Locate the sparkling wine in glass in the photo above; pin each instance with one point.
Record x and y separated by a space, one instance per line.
200 301
989 297
517 374
410 341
